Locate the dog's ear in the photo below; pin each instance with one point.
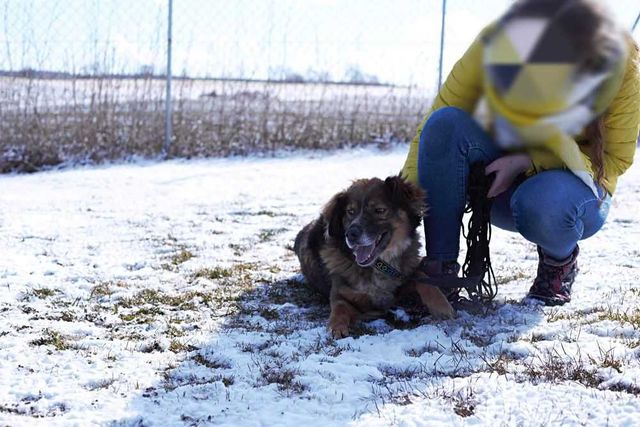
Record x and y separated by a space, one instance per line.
332 213
408 196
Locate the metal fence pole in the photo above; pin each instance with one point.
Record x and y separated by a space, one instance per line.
444 12
167 103
635 23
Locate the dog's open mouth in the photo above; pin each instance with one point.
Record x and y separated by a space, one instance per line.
367 254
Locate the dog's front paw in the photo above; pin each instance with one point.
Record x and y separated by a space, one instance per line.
338 330
442 311
433 298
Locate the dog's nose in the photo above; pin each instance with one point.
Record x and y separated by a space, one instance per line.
354 232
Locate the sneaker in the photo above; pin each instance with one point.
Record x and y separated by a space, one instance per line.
434 268
555 278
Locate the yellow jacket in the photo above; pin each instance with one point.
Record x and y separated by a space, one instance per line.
464 88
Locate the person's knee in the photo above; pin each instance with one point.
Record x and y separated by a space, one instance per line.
437 132
541 215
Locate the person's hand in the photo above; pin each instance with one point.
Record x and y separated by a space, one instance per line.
507 169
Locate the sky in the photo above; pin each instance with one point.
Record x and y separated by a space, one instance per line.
396 41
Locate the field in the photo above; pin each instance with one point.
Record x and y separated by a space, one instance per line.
48 122
166 293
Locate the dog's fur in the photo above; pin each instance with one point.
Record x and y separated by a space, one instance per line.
336 255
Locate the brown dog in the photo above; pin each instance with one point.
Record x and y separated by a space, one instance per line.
370 221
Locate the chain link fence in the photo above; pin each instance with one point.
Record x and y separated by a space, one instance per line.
85 80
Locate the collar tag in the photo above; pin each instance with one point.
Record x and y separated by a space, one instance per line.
388 270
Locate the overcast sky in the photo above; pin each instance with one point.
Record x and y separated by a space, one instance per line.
395 40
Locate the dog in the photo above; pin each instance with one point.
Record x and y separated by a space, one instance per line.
369 222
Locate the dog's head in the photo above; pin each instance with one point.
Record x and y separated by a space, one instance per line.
374 217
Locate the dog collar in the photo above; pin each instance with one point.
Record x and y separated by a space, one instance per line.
388 270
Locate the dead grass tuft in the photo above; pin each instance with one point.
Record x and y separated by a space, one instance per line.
277 371
103 289
631 317
211 362
52 338
213 273
43 293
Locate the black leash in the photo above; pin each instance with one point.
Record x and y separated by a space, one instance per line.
477 264
444 282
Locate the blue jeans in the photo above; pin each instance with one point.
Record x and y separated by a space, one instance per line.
553 209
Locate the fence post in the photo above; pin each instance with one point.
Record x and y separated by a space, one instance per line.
167 102
444 12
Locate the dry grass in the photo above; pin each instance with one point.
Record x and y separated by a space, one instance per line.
43 292
48 122
279 372
555 366
52 338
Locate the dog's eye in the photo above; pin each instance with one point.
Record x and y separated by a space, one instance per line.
351 211
381 211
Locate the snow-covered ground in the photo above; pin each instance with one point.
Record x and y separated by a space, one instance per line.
167 294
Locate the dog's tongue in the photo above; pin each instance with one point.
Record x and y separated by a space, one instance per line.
363 253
